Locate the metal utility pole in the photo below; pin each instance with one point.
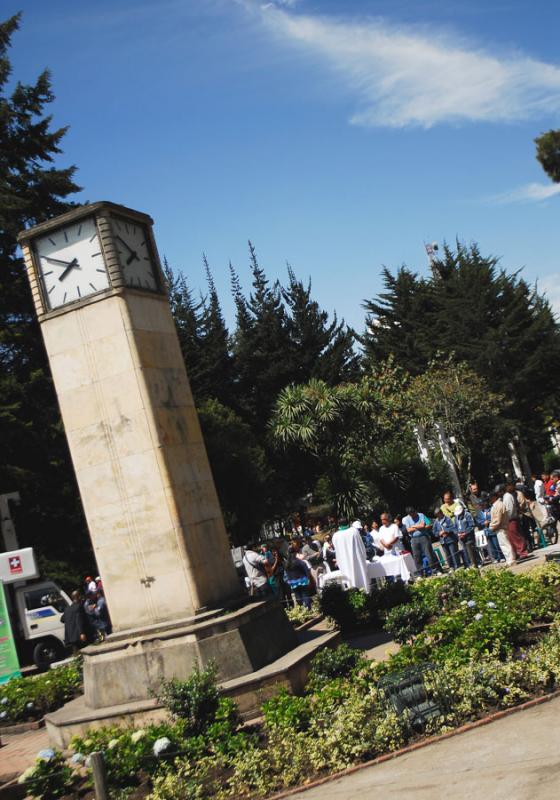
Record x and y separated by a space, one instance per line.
9 540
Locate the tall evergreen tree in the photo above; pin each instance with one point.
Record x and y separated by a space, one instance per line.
35 459
216 370
187 313
396 321
261 346
320 349
492 320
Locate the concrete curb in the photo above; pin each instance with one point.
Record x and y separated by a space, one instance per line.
22 727
536 701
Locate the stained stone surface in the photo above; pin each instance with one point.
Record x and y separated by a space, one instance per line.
140 460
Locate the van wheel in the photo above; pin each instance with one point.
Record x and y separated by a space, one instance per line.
46 653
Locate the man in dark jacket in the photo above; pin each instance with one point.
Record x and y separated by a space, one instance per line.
74 619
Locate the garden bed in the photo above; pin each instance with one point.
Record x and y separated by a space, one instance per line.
493 642
24 701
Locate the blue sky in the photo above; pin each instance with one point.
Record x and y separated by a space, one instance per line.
337 135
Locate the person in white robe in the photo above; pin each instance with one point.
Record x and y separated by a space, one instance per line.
351 555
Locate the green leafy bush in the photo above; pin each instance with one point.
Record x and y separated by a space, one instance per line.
195 700
288 711
32 697
328 664
49 777
355 609
404 622
350 609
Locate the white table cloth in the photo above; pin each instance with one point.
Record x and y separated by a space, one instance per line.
389 566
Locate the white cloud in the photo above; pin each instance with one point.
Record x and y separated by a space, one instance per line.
413 76
551 287
530 193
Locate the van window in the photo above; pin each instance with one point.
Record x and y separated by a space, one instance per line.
40 598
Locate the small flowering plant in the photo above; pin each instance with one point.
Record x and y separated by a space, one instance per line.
50 777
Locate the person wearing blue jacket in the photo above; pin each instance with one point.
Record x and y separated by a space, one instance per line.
464 526
444 529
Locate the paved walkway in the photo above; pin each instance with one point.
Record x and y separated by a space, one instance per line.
514 758
18 752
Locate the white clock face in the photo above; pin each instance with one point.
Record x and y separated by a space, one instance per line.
71 263
131 239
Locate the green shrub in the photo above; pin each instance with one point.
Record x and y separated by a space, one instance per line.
49 777
288 711
127 751
195 700
404 622
328 664
350 609
32 697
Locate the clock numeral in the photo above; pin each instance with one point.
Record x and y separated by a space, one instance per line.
52 241
51 289
79 230
78 290
65 236
64 298
47 273
93 255
93 237
100 270
93 287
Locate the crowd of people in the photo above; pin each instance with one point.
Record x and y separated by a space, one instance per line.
502 525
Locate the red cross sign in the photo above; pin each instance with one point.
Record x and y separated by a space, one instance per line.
15 565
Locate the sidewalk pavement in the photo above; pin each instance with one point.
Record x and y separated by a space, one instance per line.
514 758
18 752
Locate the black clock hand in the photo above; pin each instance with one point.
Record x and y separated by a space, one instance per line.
133 255
57 261
69 268
128 247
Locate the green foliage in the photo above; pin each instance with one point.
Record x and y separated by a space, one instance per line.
454 396
416 319
354 609
405 621
239 466
288 711
31 698
127 751
35 459
476 615
49 777
340 662
195 700
300 614
342 719
548 154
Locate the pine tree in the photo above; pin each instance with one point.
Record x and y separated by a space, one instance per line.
492 320
261 346
216 364
320 349
35 458
397 323
187 313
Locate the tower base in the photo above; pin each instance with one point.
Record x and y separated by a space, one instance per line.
130 665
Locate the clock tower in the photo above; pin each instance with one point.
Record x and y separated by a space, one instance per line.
136 445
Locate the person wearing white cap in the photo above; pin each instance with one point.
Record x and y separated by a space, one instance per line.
351 555
367 539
